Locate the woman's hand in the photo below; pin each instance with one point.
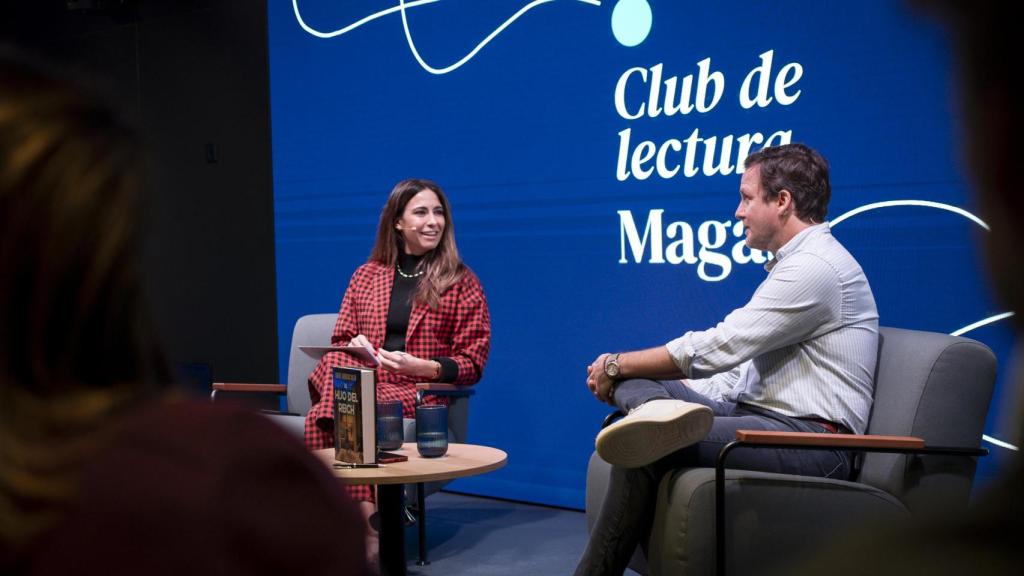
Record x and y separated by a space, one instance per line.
407 364
360 340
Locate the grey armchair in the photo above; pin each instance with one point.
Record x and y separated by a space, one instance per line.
927 386
316 330
310 330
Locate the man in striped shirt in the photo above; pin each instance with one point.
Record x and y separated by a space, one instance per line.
799 356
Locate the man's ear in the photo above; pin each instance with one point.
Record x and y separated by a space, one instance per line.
784 201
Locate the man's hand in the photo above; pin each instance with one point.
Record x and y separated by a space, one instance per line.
601 386
653 363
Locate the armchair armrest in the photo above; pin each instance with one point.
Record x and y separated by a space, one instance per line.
243 387
852 441
442 389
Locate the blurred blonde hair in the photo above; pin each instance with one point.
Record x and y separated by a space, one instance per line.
75 346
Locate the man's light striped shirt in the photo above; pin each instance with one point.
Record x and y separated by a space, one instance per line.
805 345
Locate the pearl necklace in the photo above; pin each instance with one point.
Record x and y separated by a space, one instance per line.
404 275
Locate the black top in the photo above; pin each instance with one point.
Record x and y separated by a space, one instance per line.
400 309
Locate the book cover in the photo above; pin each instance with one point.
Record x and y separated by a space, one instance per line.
355 416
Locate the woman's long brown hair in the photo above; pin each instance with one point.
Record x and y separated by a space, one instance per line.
442 266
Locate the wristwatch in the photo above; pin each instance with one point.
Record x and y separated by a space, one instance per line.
611 366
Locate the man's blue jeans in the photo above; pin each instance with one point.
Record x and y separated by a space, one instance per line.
628 510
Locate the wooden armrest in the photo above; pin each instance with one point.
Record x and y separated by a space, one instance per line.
279 413
443 389
837 440
238 387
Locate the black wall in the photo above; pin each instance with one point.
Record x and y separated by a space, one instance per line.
194 74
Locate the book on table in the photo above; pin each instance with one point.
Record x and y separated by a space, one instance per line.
355 416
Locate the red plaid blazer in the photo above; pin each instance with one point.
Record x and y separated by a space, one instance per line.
460 329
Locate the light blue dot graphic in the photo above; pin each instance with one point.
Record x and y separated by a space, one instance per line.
631 22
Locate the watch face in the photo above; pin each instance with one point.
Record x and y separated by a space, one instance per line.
611 367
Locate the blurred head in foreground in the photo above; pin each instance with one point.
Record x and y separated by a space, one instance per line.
75 347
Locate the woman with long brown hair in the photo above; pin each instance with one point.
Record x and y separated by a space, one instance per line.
415 304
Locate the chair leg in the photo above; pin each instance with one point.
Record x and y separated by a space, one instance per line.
421 503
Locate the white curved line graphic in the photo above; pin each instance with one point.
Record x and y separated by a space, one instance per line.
999 442
924 203
484 42
981 323
402 7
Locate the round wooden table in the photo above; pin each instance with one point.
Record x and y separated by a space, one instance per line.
461 460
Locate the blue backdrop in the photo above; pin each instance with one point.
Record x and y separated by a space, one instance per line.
590 153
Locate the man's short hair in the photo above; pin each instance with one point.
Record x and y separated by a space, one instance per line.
799 169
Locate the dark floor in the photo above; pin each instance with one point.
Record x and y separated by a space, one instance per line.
469 535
